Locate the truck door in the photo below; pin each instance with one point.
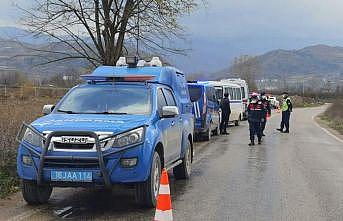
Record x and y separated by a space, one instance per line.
174 131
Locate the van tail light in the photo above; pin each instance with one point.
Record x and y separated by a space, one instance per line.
204 106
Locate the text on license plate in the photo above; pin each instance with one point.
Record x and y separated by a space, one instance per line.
71 176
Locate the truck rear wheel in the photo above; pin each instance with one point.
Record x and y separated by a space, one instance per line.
34 194
147 192
207 135
183 171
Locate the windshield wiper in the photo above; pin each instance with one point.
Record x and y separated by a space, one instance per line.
67 111
114 113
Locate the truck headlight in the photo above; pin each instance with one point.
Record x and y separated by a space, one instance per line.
129 138
32 138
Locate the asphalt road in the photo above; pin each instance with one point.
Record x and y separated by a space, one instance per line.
296 176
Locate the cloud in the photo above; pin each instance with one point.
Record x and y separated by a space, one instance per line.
296 18
10 12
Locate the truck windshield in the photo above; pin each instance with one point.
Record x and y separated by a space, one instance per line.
194 93
107 99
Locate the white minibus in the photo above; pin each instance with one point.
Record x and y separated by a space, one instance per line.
235 96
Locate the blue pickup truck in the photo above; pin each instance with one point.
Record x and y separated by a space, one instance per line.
120 127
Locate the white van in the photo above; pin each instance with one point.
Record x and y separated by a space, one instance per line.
235 96
245 93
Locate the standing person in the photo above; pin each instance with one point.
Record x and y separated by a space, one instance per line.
268 111
255 115
226 111
286 109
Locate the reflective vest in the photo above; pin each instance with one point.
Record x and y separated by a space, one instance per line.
284 104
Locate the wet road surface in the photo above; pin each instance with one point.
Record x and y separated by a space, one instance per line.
296 176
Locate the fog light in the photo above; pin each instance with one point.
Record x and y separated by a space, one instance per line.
128 162
27 160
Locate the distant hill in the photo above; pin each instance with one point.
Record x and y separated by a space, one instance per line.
318 59
16 54
321 60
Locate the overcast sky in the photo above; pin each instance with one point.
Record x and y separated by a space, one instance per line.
228 28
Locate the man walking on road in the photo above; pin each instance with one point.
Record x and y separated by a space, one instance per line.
268 111
286 109
255 114
226 111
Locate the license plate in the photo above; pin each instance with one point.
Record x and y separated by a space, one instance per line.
71 176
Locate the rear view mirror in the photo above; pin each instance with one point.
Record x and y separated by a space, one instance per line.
47 109
169 111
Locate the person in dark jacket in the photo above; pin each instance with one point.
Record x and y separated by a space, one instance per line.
226 111
268 111
286 108
255 114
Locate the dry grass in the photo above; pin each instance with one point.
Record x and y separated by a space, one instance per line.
12 113
299 101
334 116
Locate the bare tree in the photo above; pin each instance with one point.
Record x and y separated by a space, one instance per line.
103 30
247 68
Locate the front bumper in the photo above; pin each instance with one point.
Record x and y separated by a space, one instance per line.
104 165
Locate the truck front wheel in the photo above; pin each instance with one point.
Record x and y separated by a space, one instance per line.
183 171
34 194
147 192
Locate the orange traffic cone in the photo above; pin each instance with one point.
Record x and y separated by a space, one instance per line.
164 207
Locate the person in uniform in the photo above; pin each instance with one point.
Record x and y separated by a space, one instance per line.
268 111
255 115
286 109
226 111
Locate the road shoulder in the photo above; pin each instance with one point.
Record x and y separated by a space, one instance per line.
324 125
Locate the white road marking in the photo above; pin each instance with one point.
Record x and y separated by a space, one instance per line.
326 131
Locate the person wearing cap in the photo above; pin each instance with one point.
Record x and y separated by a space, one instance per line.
267 113
255 114
226 111
286 109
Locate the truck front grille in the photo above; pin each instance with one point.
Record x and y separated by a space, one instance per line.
68 163
64 146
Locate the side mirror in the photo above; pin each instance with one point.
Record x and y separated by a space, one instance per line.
170 111
47 109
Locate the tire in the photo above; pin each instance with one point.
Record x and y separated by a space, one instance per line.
34 194
216 132
207 135
237 121
183 171
147 192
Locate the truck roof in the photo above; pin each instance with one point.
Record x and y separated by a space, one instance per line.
162 75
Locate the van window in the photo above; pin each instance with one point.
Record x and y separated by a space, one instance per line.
161 101
169 97
210 94
219 92
194 93
243 92
232 95
238 94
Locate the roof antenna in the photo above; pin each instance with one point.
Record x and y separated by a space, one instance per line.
138 30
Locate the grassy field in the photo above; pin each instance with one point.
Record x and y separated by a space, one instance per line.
299 101
13 111
333 116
